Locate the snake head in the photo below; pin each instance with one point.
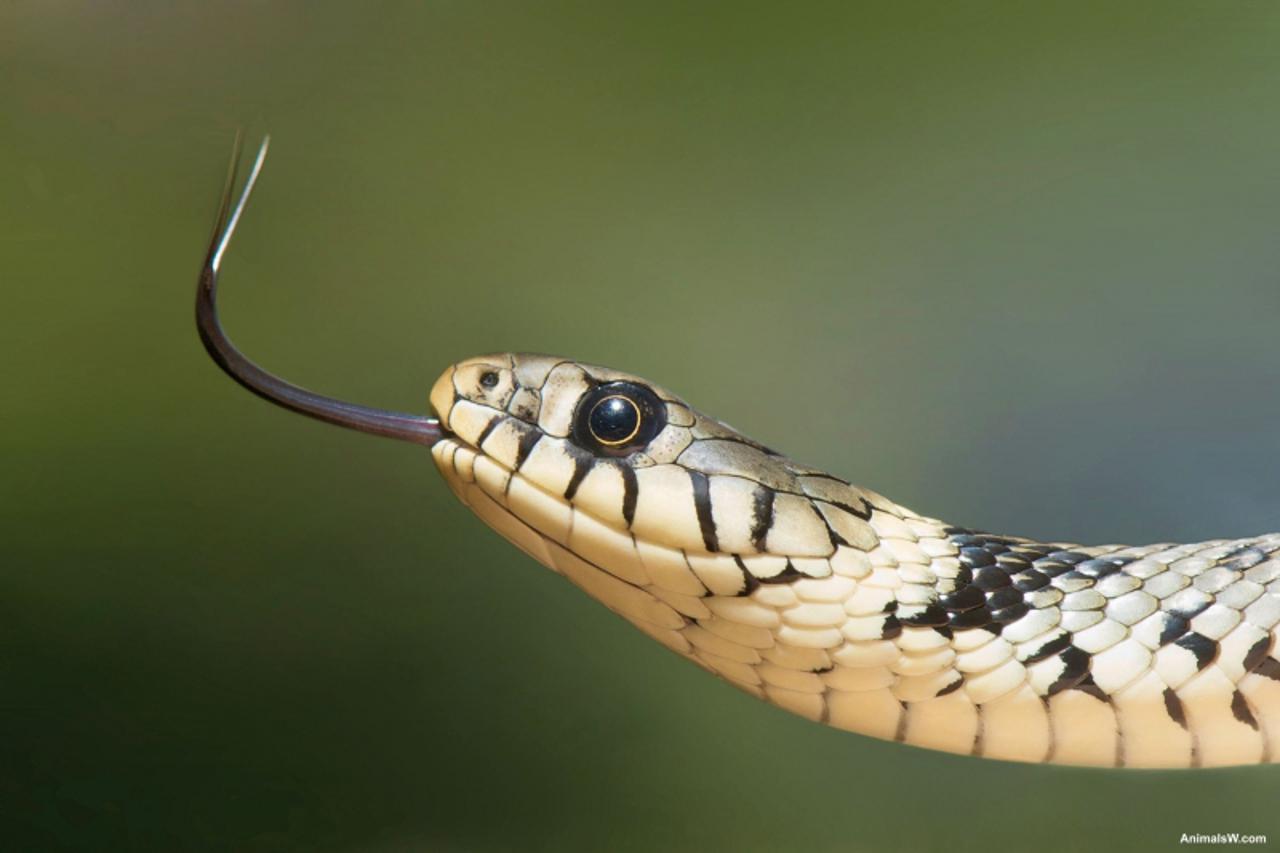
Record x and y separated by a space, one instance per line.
596 472
588 413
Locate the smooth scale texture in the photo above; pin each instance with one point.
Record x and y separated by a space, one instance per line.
841 606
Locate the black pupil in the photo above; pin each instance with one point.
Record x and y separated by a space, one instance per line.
614 420
489 379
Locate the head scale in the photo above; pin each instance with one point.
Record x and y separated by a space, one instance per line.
608 478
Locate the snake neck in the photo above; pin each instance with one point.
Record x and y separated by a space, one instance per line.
830 601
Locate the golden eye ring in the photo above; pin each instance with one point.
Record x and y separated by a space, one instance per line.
614 420
617 419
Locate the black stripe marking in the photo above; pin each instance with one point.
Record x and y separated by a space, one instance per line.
836 539
900 731
1053 740
761 517
787 575
1052 647
1240 710
931 616
702 504
750 583
864 513
489 428
1089 686
630 492
952 687
1262 730
1173 705
1174 627
456 399
1076 667
582 465
528 438
1199 645
1269 668
1258 653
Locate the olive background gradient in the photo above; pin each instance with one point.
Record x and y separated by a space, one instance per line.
1016 265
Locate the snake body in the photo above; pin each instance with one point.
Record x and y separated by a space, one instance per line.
827 599
837 604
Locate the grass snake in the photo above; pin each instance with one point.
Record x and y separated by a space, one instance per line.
827 599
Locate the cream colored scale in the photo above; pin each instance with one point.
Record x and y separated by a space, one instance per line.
828 600
814 645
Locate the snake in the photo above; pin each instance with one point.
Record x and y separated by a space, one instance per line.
827 599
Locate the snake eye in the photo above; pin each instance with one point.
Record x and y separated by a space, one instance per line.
614 420
489 378
618 418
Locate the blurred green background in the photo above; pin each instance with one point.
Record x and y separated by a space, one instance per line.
1015 265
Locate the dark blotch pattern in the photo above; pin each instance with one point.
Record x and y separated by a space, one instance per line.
1199 645
931 616
1057 644
1258 653
762 516
1240 710
1089 687
998 572
1174 627
1269 668
528 438
1173 705
1075 669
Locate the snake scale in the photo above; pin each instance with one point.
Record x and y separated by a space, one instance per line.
829 600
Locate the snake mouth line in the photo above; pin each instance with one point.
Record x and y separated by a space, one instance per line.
477 476
451 441
550 530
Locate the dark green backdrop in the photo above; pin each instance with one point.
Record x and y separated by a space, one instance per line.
1014 264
